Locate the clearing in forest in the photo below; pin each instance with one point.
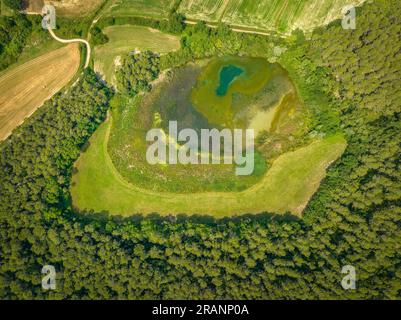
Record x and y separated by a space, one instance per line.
141 8
126 38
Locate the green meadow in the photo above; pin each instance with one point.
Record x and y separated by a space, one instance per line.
126 38
146 8
286 188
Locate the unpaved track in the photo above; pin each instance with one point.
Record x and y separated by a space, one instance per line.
88 47
233 28
25 88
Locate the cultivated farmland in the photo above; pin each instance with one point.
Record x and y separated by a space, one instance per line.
127 38
24 88
277 15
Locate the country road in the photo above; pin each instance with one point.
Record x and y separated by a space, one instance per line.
88 47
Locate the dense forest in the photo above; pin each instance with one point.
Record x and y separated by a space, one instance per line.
98 37
350 79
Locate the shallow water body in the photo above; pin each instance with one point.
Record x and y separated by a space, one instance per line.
227 76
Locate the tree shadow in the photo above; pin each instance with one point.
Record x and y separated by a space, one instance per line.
85 146
105 216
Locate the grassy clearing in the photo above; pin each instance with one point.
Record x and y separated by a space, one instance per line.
279 15
25 87
126 38
287 186
145 8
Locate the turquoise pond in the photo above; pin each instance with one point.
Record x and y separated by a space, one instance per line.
227 75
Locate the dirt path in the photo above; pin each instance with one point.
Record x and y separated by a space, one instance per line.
233 28
88 47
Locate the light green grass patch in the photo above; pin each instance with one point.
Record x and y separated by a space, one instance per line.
287 187
127 38
145 8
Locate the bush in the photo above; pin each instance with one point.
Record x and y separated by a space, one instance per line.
98 37
137 71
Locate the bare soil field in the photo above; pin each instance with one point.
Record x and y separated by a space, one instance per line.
24 88
65 7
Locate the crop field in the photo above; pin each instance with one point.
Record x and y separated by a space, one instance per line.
127 38
24 88
287 187
279 15
208 10
146 8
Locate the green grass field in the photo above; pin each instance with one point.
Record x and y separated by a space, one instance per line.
126 38
287 186
277 15
145 8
